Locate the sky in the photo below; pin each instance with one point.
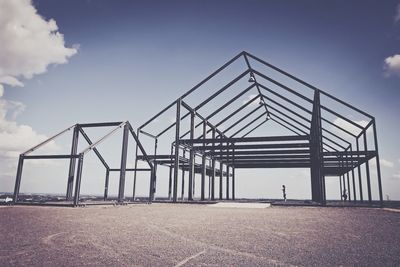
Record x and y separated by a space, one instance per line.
69 61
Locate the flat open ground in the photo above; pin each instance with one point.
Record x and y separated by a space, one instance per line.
198 235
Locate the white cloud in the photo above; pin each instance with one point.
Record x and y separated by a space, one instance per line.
10 81
392 65
396 175
397 16
350 127
14 138
29 43
250 97
384 163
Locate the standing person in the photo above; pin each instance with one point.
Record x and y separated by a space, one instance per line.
344 195
284 192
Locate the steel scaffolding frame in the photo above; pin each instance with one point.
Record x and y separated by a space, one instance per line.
75 171
222 150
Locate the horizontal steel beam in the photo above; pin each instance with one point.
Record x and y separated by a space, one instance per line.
260 146
256 161
260 152
100 124
102 138
130 169
148 134
271 165
349 153
50 156
251 157
246 139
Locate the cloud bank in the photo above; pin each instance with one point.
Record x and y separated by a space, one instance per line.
392 65
28 45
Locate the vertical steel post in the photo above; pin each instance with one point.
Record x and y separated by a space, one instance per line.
221 172
151 187
78 179
176 162
348 185
194 183
170 176
106 184
227 181
72 162
213 169
340 178
233 183
352 176
203 177
209 182
183 180
359 171
155 168
183 185
136 164
233 173
347 176
344 183
320 152
18 178
124 153
227 171
317 160
203 164
367 169
191 158
378 166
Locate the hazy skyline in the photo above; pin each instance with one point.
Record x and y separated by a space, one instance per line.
126 60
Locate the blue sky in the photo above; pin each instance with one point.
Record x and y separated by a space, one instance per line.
135 57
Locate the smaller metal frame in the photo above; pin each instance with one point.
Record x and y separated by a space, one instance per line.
75 172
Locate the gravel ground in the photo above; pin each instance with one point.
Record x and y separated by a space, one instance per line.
198 235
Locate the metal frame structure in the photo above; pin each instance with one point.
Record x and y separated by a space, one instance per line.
316 142
75 168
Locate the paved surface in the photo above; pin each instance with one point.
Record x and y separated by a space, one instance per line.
197 235
240 205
